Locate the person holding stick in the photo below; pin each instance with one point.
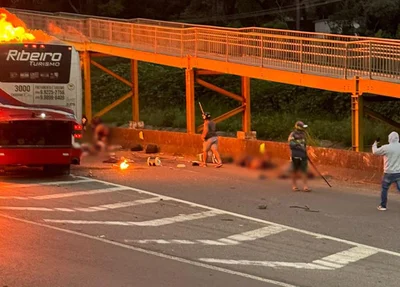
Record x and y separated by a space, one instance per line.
210 139
299 158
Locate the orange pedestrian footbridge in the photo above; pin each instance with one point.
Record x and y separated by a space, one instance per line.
347 64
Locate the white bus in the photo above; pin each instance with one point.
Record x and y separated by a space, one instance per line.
42 74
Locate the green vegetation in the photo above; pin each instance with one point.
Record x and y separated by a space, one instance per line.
275 107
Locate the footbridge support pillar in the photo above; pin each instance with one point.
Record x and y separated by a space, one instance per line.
357 120
190 104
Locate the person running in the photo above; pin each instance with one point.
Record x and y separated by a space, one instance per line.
391 165
299 158
210 140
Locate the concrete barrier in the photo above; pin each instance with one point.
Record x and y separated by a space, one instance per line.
175 142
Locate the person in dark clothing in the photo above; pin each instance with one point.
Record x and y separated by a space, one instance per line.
299 158
210 140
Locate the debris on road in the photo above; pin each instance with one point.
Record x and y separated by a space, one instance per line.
181 165
124 165
137 147
110 160
262 206
306 208
154 161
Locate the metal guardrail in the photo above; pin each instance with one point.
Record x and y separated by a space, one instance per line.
174 24
378 60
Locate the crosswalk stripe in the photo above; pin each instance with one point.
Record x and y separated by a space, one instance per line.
230 240
153 223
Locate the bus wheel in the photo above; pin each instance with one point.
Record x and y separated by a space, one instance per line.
57 169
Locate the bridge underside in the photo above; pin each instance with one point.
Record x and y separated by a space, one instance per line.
196 67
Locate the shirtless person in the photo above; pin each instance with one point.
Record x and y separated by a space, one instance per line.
210 139
100 134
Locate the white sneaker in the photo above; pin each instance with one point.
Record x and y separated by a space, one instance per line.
381 208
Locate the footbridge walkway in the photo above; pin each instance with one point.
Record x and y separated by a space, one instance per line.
354 65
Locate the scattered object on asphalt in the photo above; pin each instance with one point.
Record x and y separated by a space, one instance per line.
262 176
124 165
90 174
137 147
195 163
306 208
151 161
227 219
263 206
210 157
151 148
111 160
181 165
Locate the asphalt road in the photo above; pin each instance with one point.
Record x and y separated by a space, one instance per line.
169 226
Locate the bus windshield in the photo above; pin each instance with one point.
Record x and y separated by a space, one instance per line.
35 134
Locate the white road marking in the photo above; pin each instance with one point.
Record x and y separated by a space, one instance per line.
238 215
230 240
153 223
331 262
65 194
24 185
348 256
155 253
86 209
120 204
256 234
273 264
25 208
77 193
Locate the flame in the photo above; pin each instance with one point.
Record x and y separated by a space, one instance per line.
124 165
10 33
13 29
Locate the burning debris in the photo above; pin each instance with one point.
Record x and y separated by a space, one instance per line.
13 29
9 33
124 165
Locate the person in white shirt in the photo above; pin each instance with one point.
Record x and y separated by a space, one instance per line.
391 165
